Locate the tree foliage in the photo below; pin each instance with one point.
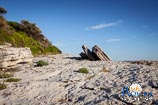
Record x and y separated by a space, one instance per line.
30 28
2 11
32 31
25 34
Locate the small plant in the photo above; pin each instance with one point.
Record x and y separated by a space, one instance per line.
5 75
2 86
83 70
41 63
13 80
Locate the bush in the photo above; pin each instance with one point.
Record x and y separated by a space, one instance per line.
41 63
83 70
52 50
2 11
26 34
20 39
2 86
15 25
13 80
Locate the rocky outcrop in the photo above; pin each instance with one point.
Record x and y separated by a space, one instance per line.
10 56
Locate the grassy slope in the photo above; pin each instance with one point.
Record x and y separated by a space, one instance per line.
20 39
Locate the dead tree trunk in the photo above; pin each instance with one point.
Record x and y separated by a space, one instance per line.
88 53
95 54
83 55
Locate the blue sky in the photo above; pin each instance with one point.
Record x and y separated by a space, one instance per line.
124 29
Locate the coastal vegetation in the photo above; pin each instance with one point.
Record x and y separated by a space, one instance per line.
13 80
41 63
83 70
25 34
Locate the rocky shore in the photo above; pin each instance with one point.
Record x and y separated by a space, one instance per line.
60 83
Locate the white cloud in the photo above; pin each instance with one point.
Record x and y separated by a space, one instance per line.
113 40
106 25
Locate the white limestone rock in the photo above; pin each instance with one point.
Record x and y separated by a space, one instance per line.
59 84
10 56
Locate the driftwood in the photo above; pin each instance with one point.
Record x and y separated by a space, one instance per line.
100 54
95 54
88 53
83 55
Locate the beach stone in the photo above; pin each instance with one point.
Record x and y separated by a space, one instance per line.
153 83
10 56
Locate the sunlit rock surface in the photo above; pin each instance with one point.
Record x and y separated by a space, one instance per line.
10 56
59 83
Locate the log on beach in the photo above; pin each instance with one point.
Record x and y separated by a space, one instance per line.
95 54
100 54
83 55
88 53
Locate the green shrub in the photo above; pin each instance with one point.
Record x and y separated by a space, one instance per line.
2 86
21 39
2 11
13 80
41 63
52 50
83 70
26 34
15 25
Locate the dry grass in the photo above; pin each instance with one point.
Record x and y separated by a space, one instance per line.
90 77
62 100
105 70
